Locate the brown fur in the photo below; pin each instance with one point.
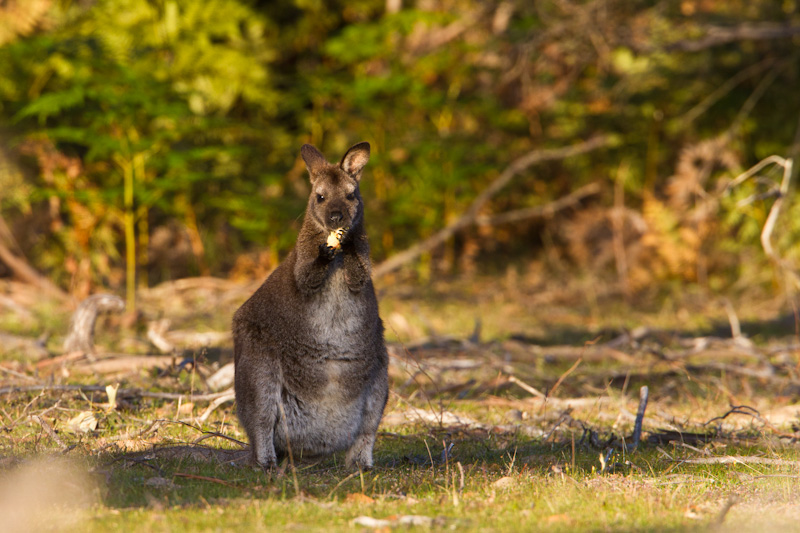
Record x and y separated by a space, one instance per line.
311 363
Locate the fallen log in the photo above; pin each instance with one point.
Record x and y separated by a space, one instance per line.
81 327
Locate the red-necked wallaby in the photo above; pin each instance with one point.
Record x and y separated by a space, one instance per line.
311 362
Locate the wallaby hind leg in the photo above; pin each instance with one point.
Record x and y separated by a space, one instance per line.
360 452
257 396
260 433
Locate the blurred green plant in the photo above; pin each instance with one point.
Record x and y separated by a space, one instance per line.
164 133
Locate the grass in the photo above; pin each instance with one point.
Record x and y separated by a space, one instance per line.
514 463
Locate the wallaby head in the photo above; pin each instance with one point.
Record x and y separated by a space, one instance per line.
335 200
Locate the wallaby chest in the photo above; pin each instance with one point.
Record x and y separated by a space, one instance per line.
336 316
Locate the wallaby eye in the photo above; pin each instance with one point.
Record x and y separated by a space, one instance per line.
351 196
320 198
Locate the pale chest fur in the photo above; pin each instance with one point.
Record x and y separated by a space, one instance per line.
336 316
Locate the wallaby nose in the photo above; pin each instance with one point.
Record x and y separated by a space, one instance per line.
335 217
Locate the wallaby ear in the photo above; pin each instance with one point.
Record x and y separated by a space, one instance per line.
313 158
355 159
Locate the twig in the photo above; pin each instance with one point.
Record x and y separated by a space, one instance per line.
722 90
342 482
561 419
211 434
155 334
772 217
541 211
736 328
737 410
206 478
564 376
17 374
752 412
216 403
49 430
64 358
201 430
32 349
81 327
718 35
644 393
739 459
752 100
527 387
517 166
122 392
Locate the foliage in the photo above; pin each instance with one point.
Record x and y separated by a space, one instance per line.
202 106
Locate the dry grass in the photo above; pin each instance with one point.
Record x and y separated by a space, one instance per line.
467 440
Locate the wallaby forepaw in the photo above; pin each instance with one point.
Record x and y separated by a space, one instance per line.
327 252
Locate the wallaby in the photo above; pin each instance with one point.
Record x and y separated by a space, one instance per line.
311 363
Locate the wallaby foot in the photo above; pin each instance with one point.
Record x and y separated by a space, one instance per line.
360 453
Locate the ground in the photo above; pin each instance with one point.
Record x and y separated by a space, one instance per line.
512 407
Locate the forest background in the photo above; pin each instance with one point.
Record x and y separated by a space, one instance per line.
575 207
148 140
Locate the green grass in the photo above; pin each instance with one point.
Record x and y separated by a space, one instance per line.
519 466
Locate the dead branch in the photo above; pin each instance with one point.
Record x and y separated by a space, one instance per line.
644 394
541 211
774 212
49 430
10 304
229 397
31 348
751 412
17 389
81 327
527 387
739 459
737 410
125 363
718 35
723 90
23 270
197 339
471 214
155 334
206 478
60 359
222 378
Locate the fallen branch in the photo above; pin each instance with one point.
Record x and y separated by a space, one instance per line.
229 397
471 214
31 348
60 359
718 35
155 334
49 430
127 363
81 327
774 212
121 392
22 269
739 459
206 478
528 388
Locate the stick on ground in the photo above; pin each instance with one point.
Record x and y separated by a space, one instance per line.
644 393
